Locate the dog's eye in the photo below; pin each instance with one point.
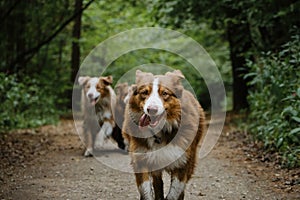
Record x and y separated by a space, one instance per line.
144 92
165 94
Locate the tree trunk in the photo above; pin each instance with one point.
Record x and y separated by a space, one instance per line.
240 43
20 39
75 60
14 41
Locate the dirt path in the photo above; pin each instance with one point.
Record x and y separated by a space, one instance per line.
47 163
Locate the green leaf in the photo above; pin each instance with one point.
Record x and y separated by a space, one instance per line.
294 131
289 110
279 142
249 75
297 119
298 92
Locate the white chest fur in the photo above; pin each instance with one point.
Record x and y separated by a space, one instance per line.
162 156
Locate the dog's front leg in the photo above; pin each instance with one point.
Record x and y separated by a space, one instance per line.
178 183
104 133
144 186
89 144
88 137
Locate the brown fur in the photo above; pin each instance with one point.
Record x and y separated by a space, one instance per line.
100 113
183 129
108 94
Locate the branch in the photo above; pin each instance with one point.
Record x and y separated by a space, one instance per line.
35 49
5 15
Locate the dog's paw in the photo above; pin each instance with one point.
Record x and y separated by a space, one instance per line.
88 152
126 148
99 142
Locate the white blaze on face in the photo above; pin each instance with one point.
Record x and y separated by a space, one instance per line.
92 92
154 99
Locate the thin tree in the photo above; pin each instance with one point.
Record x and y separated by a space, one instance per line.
75 59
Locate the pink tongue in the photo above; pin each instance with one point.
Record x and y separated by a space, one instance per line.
93 102
144 120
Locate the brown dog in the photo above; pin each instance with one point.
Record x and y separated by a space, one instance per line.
99 101
164 124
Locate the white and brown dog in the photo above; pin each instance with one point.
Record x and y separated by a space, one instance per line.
99 101
164 124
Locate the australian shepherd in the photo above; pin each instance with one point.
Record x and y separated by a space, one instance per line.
121 92
98 103
164 124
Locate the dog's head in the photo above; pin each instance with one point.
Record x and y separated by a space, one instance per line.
94 88
102 86
156 97
89 85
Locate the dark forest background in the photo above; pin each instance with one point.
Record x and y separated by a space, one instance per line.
255 44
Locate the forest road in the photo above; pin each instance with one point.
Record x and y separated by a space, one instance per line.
48 163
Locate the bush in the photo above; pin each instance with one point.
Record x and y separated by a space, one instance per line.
275 101
25 104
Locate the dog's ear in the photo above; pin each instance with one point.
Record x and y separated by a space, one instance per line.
176 76
82 80
143 77
138 72
106 80
133 89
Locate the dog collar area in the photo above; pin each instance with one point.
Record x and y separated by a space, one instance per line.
157 139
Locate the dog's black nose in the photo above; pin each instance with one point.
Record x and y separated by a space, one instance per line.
90 95
152 110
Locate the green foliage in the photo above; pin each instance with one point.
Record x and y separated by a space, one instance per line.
24 27
275 101
25 104
106 18
34 79
118 16
267 20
